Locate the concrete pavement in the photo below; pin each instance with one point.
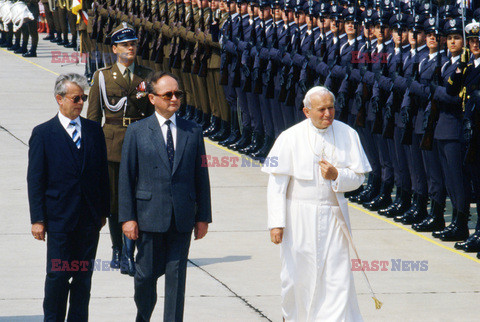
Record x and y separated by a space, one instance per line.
234 271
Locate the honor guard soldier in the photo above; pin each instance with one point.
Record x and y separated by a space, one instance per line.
233 46
272 121
229 30
219 128
429 72
465 82
445 134
418 50
118 92
392 119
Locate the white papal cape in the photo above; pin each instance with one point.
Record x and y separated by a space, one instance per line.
316 278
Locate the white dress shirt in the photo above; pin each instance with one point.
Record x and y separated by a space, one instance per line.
476 62
164 128
65 121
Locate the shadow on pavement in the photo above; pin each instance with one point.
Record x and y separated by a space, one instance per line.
209 261
22 318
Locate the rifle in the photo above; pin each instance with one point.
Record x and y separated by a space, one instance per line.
294 74
207 50
248 66
323 43
226 57
187 55
161 41
474 143
389 126
427 139
96 16
144 36
258 81
411 111
361 118
176 60
350 90
378 122
238 63
198 52
175 38
310 74
285 69
272 66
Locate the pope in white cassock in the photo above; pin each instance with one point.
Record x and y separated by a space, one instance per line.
318 160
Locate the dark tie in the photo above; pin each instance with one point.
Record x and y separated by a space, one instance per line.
170 149
75 135
127 76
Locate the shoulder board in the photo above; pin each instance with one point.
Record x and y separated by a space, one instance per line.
106 67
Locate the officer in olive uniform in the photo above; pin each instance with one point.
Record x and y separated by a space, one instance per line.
119 92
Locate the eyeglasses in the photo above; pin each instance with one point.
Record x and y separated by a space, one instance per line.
76 99
169 95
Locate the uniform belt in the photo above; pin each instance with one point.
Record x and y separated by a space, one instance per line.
123 121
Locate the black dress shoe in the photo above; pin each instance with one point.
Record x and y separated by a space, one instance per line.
234 136
382 200
355 198
243 141
415 218
223 133
370 193
56 40
401 204
439 233
255 144
435 220
472 244
6 44
14 47
70 45
30 53
205 122
456 233
430 224
214 126
352 193
20 50
115 262
63 42
457 230
262 153
49 37
417 211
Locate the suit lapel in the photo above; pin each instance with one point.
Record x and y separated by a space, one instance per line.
158 140
85 142
182 137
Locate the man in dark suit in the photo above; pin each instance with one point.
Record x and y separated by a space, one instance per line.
164 194
68 195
